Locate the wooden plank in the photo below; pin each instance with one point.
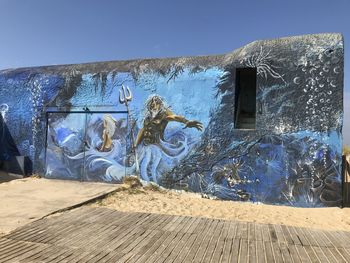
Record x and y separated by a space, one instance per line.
345 254
213 243
228 242
343 237
201 235
180 224
78 237
14 247
265 233
178 249
320 239
23 256
243 250
60 232
320 254
97 258
333 241
304 257
151 246
193 226
186 249
184 241
260 252
242 230
206 241
154 252
173 251
279 234
99 233
309 234
285 252
294 253
232 230
311 254
268 251
164 249
294 236
56 233
225 257
303 236
164 221
236 244
62 256
287 235
318 248
337 255
258 232
220 245
272 232
17 251
108 236
171 223
77 252
251 231
38 253
120 235
137 243
5 241
118 243
331 249
10 244
201 226
95 248
276 251
323 239
329 255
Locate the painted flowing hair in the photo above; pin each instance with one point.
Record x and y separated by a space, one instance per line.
158 99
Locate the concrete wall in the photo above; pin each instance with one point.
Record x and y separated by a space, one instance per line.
292 157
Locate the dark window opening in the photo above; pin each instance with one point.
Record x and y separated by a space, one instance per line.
245 98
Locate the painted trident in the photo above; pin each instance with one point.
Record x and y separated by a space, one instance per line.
125 96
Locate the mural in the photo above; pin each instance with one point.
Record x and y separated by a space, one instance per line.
172 122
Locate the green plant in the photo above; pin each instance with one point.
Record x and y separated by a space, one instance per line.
132 181
153 187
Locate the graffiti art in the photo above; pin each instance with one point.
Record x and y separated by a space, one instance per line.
175 121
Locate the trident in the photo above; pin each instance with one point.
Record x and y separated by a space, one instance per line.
125 96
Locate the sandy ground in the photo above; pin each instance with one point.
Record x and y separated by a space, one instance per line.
25 200
6 177
190 204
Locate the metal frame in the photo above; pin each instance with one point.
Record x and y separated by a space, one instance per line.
87 111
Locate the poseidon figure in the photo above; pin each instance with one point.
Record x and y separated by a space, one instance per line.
159 155
157 118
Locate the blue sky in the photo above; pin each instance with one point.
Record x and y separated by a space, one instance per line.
47 32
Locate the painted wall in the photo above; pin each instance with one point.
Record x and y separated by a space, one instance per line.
182 112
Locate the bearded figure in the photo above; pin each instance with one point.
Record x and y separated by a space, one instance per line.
157 153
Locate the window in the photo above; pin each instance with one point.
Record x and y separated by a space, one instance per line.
245 98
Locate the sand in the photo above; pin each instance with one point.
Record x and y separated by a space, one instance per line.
25 200
190 204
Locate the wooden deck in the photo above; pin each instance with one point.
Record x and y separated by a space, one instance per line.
90 234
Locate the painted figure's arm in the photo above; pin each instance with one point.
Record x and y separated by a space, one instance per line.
139 137
188 123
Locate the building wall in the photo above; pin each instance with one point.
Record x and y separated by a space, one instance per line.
293 157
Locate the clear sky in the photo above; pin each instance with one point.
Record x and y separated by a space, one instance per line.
47 32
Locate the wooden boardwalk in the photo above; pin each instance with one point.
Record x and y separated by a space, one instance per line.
89 234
